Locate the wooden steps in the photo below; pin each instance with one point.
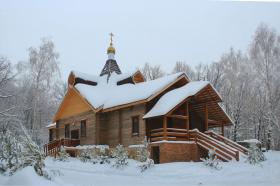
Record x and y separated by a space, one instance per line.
52 148
225 148
222 150
227 142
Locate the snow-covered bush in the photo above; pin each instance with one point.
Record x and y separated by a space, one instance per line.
255 155
121 155
87 155
18 151
144 156
143 151
149 163
10 152
103 156
33 155
62 155
212 160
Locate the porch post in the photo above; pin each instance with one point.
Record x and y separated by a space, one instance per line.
187 120
223 130
206 117
164 128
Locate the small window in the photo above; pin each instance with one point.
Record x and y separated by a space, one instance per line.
135 125
50 135
67 131
83 128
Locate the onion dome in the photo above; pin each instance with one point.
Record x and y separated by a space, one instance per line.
111 49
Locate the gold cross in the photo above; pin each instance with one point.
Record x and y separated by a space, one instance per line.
111 35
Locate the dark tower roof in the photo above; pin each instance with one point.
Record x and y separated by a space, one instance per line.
110 67
111 64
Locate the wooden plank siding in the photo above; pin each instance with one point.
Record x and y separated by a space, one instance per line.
73 104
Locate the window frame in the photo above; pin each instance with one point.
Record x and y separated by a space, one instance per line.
83 130
133 132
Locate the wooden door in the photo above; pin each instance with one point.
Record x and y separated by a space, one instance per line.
155 154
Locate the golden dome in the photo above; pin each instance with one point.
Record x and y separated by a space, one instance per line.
111 49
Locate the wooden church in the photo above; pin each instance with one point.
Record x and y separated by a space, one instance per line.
173 112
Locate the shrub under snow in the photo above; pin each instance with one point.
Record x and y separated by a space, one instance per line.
212 160
10 152
121 155
62 155
103 156
19 151
87 155
144 156
255 155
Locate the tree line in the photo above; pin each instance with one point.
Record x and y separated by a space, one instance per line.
30 91
249 83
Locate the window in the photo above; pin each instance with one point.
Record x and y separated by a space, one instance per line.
135 125
57 131
67 131
83 128
50 135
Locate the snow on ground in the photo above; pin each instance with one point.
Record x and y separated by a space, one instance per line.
74 172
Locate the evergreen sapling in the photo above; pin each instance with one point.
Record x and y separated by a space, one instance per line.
255 155
212 161
121 155
144 156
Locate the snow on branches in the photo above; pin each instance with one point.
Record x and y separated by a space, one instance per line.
10 152
144 156
87 155
212 161
121 155
19 151
62 155
255 155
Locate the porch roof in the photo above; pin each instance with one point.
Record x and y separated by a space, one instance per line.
171 99
51 125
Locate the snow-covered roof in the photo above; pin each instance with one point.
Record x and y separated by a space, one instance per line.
114 78
85 76
172 98
52 125
109 94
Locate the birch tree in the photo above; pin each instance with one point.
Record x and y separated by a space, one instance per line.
38 78
265 53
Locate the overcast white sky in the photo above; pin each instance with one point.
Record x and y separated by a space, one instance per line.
158 32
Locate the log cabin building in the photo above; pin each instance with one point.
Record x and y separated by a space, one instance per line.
114 108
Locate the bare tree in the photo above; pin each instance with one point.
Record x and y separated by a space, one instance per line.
152 72
265 53
184 67
39 77
7 106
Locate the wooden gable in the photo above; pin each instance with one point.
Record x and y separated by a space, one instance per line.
73 104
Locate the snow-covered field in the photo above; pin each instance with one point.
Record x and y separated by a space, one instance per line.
74 172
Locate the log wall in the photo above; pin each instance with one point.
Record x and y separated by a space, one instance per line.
115 127
75 122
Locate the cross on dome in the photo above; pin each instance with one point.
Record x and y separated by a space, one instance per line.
111 49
